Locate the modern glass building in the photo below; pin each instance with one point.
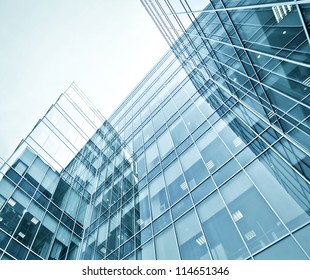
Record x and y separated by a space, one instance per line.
207 158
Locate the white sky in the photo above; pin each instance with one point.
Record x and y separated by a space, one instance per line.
104 46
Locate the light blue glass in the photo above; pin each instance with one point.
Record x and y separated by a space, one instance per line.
224 241
158 197
146 252
178 132
176 185
191 240
212 150
258 228
166 245
193 167
286 249
289 203
302 236
192 118
165 144
152 156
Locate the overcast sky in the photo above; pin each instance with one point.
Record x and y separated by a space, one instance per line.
104 46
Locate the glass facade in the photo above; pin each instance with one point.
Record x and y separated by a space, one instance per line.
207 158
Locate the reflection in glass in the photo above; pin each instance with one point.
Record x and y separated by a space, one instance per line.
192 242
222 236
166 246
257 223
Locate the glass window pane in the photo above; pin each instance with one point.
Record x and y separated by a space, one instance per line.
158 120
36 210
181 207
20 167
26 229
143 213
166 246
44 237
165 145
161 222
60 244
141 166
37 170
16 250
148 131
205 107
138 141
49 182
192 118
28 156
286 249
178 132
224 241
144 235
73 203
254 218
6 187
10 215
146 252
191 240
158 196
302 237
234 142
176 185
213 150
169 109
194 168
203 190
289 201
152 157
21 198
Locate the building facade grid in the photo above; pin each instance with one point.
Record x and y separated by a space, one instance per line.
207 158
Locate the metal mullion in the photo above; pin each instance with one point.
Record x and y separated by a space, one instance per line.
77 107
254 51
259 80
168 21
184 34
257 6
269 146
302 21
262 83
209 48
156 16
241 42
258 135
259 117
88 102
278 50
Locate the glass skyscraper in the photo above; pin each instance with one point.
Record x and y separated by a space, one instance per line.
207 158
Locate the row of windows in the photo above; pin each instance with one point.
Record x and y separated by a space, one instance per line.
154 203
288 32
240 196
169 143
28 223
225 133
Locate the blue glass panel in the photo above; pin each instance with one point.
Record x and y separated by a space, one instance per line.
286 249
166 246
258 228
224 241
